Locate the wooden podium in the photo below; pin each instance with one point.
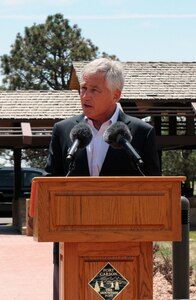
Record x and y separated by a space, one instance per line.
106 227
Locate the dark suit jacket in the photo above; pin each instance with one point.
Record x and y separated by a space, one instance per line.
117 161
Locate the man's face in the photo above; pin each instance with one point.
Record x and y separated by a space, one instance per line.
98 102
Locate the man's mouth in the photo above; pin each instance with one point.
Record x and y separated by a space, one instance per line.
87 106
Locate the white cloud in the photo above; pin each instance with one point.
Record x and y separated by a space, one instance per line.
23 17
12 2
115 2
133 16
28 2
99 17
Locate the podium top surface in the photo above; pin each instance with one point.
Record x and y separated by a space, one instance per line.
109 178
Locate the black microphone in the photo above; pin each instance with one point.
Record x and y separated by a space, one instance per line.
80 135
119 136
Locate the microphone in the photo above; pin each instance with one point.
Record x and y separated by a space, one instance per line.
80 135
119 136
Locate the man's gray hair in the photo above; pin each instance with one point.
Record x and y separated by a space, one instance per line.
113 72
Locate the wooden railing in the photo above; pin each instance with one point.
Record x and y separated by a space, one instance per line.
17 131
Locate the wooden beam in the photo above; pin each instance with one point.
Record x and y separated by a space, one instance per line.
143 106
26 133
194 105
175 142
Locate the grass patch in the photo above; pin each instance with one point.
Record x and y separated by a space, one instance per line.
164 250
192 235
192 249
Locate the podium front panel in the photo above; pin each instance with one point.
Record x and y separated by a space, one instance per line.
95 271
107 209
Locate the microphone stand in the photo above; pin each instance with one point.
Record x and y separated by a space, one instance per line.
137 166
135 158
72 165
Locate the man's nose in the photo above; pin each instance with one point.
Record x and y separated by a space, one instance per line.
86 95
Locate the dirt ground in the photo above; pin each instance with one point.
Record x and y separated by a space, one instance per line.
162 289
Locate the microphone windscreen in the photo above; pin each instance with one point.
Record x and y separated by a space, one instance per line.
116 131
83 133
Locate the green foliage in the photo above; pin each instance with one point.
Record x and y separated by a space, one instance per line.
162 260
162 255
35 158
42 58
30 157
193 235
177 162
6 157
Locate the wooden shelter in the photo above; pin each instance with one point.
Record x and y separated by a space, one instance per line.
26 121
162 93
27 117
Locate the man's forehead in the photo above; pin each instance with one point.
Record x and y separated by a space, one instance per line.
91 84
92 79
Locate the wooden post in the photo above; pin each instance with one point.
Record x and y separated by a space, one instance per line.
17 186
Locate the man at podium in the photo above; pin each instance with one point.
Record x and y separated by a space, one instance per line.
117 145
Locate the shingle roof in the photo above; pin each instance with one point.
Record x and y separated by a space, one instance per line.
156 80
32 104
153 81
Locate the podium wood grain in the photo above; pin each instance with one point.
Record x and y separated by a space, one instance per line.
106 219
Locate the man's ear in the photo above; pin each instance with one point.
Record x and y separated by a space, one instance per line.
117 94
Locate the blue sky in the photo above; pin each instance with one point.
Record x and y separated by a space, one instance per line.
133 30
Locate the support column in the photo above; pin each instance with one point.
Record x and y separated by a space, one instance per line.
17 185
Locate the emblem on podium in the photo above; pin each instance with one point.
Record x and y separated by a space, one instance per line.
108 283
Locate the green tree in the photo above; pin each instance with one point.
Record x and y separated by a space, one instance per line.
42 58
180 162
6 156
35 158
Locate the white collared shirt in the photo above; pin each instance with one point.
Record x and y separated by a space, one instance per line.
97 149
